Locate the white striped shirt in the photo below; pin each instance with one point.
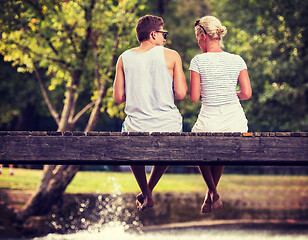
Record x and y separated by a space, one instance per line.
219 72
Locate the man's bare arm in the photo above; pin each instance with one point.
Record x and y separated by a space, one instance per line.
179 80
119 83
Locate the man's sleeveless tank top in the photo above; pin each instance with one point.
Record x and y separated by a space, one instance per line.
149 93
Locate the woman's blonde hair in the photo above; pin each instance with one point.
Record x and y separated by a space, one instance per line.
212 27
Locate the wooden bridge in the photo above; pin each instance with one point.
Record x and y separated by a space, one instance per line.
115 148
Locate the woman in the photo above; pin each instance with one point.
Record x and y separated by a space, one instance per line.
213 76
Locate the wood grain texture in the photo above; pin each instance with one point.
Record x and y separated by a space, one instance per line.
114 148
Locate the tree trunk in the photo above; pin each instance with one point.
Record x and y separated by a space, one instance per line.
96 110
64 124
55 177
54 181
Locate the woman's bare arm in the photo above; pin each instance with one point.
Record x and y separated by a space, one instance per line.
195 91
244 81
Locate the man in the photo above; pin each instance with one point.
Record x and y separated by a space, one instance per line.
148 78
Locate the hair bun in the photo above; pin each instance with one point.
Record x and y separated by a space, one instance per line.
221 31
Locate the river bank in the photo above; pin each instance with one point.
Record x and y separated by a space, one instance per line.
81 211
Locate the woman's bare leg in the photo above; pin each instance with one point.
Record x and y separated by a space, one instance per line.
211 176
206 172
216 174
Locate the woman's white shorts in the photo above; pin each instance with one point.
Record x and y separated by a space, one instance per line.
223 118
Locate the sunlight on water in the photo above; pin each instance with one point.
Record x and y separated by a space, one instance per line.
94 213
116 231
115 223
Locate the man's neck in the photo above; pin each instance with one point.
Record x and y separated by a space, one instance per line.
145 46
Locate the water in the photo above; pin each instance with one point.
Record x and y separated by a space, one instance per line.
117 231
116 223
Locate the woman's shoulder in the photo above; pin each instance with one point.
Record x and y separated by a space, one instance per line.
233 55
236 60
199 56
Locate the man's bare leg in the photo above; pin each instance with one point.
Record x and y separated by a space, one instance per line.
156 174
140 176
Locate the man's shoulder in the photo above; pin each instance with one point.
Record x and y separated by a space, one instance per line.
171 52
127 51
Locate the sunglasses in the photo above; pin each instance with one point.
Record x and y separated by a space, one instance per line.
197 23
165 34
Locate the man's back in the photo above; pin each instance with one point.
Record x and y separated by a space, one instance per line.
148 78
149 92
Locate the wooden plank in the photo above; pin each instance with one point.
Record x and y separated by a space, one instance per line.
154 149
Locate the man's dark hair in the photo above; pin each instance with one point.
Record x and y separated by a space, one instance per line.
146 25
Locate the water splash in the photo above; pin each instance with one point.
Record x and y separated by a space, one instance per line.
94 213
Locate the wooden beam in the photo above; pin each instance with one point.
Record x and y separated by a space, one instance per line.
114 148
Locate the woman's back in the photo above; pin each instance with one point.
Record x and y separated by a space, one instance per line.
219 72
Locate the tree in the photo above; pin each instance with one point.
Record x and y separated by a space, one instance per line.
77 43
15 112
272 36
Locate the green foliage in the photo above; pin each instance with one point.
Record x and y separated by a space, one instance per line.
20 98
17 14
69 39
272 37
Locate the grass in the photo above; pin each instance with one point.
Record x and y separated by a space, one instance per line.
109 182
